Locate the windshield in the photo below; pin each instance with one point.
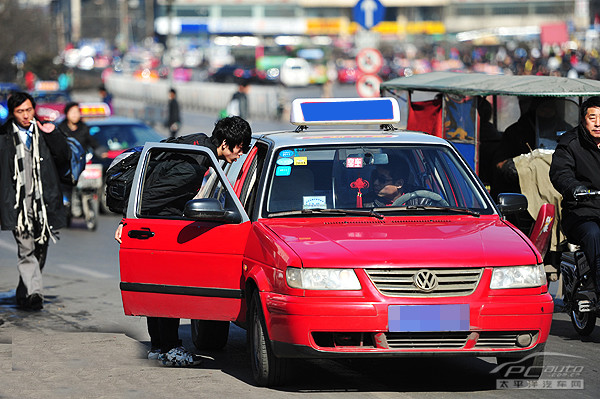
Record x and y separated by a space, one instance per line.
123 136
386 178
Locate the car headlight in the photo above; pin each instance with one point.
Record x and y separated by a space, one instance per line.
518 277
322 279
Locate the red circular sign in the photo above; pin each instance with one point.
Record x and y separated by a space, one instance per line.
369 60
368 86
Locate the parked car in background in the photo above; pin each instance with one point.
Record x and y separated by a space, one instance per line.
347 71
116 134
49 105
295 72
232 73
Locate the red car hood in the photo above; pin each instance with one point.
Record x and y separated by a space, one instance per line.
429 241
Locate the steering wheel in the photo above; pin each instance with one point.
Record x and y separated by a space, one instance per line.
421 197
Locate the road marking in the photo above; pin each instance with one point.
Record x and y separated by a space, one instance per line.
87 272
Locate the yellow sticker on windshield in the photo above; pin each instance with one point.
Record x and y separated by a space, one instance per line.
300 160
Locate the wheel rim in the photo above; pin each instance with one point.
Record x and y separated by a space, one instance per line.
580 319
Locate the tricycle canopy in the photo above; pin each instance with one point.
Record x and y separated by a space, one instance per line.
476 84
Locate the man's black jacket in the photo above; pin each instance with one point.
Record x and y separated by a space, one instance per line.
576 162
54 157
176 179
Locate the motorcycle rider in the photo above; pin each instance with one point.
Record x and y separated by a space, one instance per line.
74 126
575 169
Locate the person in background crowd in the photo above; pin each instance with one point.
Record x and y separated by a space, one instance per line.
238 105
105 97
173 122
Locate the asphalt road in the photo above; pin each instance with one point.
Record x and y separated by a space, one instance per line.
82 345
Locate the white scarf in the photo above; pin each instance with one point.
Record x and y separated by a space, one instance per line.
24 223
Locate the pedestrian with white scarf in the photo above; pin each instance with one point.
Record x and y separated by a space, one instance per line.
33 156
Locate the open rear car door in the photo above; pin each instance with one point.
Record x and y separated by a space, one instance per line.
187 266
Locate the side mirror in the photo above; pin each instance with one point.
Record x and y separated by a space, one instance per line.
210 210
511 203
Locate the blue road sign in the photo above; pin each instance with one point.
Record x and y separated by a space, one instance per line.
368 13
20 57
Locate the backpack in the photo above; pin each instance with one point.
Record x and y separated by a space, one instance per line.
119 178
77 162
120 173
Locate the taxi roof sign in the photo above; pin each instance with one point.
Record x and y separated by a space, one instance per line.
344 111
94 110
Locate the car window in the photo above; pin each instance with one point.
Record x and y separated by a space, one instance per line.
174 177
123 136
351 177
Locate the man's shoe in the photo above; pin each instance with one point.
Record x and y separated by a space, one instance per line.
35 302
153 354
179 357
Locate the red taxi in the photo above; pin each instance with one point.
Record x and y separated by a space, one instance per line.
307 254
50 101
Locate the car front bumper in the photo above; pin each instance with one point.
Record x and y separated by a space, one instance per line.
332 327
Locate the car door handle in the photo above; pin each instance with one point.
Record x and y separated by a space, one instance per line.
143 234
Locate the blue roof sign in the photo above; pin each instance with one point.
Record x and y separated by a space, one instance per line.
345 111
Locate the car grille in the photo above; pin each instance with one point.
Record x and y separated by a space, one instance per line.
501 339
450 282
457 340
445 340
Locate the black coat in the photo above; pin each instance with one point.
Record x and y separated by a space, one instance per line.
576 162
54 157
176 179
81 134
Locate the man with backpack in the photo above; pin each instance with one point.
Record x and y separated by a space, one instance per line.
172 183
33 156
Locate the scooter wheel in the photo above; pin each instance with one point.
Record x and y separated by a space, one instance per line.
583 322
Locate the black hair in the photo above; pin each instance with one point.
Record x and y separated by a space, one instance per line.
17 99
592 102
397 166
484 108
234 131
70 105
173 91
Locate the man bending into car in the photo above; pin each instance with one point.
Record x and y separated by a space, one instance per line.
173 183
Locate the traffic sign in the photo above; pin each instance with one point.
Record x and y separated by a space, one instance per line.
368 13
19 58
369 60
368 86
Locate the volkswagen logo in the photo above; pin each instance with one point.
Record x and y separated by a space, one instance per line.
425 280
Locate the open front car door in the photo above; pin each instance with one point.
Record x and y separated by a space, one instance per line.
182 258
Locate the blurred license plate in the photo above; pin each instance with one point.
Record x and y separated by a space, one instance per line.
415 318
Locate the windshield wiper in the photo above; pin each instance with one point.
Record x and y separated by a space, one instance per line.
370 212
463 211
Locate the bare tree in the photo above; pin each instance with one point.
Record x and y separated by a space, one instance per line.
29 29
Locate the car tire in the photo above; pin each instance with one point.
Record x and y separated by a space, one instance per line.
209 334
529 362
267 369
583 322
